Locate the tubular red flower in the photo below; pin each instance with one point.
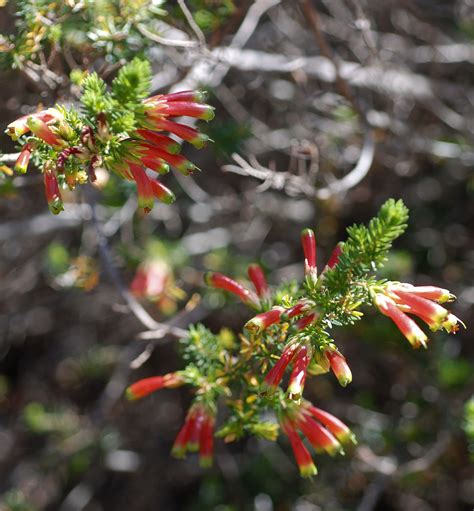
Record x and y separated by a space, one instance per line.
189 109
437 294
294 311
220 281
146 386
406 325
144 187
53 195
21 164
43 131
304 321
162 193
308 242
339 366
195 96
191 135
319 436
258 279
176 160
275 375
302 456
334 258
427 308
298 375
206 441
335 425
195 434
262 321
181 443
156 164
19 127
161 141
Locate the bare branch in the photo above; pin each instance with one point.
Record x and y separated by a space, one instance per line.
192 23
301 184
179 43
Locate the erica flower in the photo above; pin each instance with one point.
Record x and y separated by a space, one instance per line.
434 293
335 426
43 131
258 279
197 434
265 319
338 366
161 192
53 195
144 187
308 241
277 314
405 324
144 387
334 257
178 104
302 456
304 321
220 281
398 300
298 375
275 375
20 126
322 430
21 164
150 145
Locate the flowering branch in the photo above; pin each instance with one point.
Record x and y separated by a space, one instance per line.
121 131
291 334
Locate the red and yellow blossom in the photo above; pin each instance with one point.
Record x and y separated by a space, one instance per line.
397 301
197 434
148 146
146 386
322 430
220 281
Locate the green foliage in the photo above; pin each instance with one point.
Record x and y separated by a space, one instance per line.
468 424
94 98
347 286
133 83
366 247
84 29
122 106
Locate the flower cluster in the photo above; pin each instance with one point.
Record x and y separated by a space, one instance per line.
396 300
121 131
262 372
197 433
149 148
323 431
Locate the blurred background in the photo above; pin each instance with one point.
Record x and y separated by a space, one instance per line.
324 109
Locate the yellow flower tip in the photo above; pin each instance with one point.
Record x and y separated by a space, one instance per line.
309 470
130 395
